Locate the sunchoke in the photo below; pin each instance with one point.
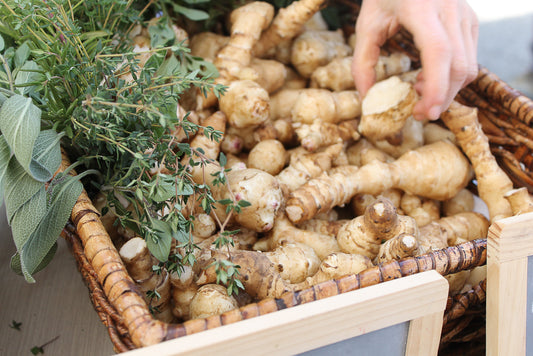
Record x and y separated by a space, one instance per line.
414 172
258 188
211 299
386 107
492 182
364 234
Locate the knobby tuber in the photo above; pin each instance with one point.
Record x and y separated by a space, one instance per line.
287 24
492 182
364 234
520 200
257 273
320 134
284 232
211 299
246 104
386 107
305 166
337 74
258 188
294 261
414 172
460 203
324 105
313 49
269 156
401 246
139 262
336 265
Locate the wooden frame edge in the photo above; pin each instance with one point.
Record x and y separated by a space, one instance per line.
420 298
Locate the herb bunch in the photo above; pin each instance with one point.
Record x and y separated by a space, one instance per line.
68 60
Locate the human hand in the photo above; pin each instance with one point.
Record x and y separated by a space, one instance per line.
445 32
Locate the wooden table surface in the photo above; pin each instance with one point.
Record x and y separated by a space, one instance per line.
57 305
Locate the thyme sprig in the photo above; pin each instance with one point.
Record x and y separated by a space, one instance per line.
75 55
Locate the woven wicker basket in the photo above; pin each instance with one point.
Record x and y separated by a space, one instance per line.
506 117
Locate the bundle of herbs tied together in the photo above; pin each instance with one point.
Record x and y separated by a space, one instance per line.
63 68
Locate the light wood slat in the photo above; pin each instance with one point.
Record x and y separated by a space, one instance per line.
309 326
509 244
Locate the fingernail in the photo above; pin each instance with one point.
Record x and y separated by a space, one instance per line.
434 112
418 117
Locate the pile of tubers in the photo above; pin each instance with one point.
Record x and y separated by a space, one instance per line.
336 183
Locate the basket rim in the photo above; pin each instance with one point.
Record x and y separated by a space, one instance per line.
128 319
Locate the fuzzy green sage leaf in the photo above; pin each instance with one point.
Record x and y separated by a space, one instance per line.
46 155
5 155
160 240
20 123
19 188
64 192
26 219
192 14
17 268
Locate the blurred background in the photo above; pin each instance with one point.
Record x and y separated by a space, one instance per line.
58 304
506 40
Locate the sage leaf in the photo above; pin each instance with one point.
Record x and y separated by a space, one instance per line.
65 191
27 74
2 44
2 99
159 242
5 156
17 268
22 54
19 188
26 219
46 156
192 14
20 123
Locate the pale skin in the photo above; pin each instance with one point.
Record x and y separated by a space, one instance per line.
444 31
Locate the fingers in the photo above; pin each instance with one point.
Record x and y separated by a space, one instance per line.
373 28
445 32
457 27
432 40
